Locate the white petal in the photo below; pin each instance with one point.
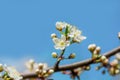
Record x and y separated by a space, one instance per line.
63 37
56 47
62 47
56 40
83 37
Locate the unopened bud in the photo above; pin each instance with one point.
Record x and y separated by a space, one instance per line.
87 67
53 35
50 71
31 61
1 67
112 71
60 26
72 55
44 71
92 47
117 56
98 49
114 63
103 58
105 62
37 71
117 71
54 55
95 52
40 66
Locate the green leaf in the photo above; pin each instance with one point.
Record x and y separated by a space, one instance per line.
66 30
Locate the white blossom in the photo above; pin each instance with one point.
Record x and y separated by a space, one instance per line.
30 64
61 43
53 35
12 72
60 25
76 34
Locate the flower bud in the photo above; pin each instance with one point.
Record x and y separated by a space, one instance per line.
5 77
50 71
37 71
60 25
72 55
40 66
117 71
44 72
87 67
95 52
112 71
1 67
117 56
98 49
92 47
105 62
114 63
103 58
53 35
59 28
54 55
31 61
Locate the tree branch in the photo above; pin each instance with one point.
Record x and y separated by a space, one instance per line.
75 65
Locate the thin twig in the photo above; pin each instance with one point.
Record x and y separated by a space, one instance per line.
59 59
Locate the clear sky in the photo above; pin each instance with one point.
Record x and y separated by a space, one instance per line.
26 25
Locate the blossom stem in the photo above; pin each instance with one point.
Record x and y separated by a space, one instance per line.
59 59
78 77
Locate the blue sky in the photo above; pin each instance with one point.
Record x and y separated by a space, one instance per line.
26 25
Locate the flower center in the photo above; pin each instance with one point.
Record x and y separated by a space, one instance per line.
62 43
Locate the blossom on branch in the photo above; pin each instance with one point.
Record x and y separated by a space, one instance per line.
76 34
61 43
69 34
60 25
11 73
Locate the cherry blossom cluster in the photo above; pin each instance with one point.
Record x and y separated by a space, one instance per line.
9 73
113 67
69 34
41 69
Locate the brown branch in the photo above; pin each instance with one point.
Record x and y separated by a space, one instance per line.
75 65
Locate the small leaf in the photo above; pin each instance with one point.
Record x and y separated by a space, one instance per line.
66 30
